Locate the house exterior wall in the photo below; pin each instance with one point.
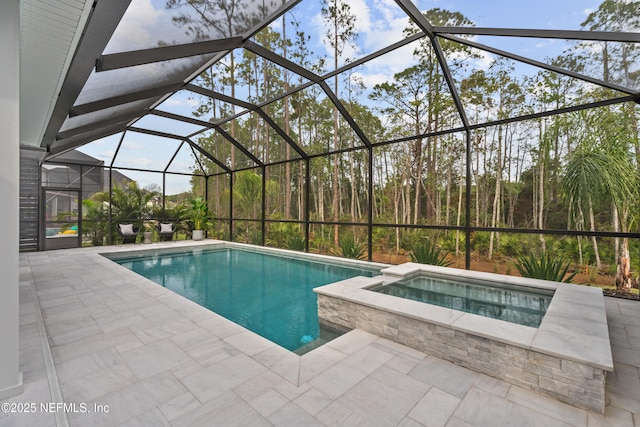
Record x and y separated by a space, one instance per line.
10 377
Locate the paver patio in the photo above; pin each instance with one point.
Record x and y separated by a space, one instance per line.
131 352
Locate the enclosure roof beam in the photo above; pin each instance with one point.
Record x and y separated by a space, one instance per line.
156 133
424 24
105 17
175 153
157 91
125 117
608 36
416 16
252 107
239 146
185 119
564 110
282 133
374 55
450 81
116 61
281 61
208 156
540 64
219 96
343 111
59 147
195 156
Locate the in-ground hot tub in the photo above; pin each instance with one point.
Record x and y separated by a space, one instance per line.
511 303
567 356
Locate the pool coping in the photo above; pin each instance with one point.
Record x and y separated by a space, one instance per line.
211 244
113 253
574 327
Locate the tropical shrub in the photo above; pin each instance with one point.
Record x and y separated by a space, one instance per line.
544 267
349 247
428 253
94 224
296 242
480 242
198 212
279 233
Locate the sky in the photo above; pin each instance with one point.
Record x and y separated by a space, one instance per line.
378 23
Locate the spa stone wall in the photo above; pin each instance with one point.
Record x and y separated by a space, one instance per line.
574 383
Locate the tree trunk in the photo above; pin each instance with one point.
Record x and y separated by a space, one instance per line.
543 242
592 227
447 208
417 155
459 211
623 271
495 215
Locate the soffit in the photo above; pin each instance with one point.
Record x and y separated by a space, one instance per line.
49 33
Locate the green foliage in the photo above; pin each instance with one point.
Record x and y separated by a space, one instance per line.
349 247
409 238
129 203
512 245
296 242
544 267
428 253
320 242
132 203
179 214
247 194
480 242
448 242
383 239
284 235
198 212
95 215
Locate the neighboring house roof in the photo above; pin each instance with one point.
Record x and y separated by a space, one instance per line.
77 157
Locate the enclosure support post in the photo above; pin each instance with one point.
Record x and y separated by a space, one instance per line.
206 200
370 215
231 206
307 186
264 203
164 195
467 197
109 239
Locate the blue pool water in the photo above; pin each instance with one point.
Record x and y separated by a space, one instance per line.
521 305
267 294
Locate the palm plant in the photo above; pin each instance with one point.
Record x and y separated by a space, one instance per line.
179 214
428 253
600 170
350 248
296 242
536 266
94 220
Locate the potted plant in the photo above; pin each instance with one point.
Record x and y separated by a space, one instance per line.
148 232
199 214
146 215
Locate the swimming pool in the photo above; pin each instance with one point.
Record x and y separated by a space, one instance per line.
270 294
516 304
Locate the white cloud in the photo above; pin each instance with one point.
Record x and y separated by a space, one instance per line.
106 155
142 162
372 79
135 30
133 146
